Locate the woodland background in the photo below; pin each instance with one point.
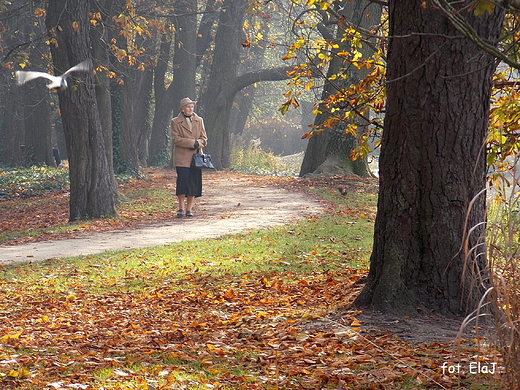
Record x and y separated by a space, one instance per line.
438 78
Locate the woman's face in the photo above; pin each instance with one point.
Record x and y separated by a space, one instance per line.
188 109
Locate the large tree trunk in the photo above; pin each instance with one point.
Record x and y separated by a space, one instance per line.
329 151
92 184
429 241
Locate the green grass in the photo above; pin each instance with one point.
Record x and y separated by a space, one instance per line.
134 205
195 273
339 239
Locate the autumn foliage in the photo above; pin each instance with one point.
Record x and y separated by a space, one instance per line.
262 310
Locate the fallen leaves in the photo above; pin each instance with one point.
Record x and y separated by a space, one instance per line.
203 329
269 330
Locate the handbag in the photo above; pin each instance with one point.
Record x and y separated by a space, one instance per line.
202 161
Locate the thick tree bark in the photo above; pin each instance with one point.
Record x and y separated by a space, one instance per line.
92 184
429 240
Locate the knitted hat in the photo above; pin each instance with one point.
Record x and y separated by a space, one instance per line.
185 101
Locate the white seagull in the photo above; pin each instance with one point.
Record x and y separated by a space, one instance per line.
57 82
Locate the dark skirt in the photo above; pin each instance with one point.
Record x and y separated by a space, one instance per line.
189 182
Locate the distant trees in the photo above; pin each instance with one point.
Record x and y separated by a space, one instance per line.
168 93
332 146
27 107
342 43
146 56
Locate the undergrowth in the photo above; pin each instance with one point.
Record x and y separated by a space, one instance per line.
26 182
253 159
32 181
504 256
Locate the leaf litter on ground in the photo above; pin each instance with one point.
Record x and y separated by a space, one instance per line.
149 320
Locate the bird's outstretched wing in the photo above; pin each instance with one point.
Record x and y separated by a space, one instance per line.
23 76
84 66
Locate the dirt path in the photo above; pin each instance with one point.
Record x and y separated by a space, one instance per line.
230 205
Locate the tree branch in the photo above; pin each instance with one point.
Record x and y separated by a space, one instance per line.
270 74
469 32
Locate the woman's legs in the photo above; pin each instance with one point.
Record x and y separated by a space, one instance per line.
181 199
189 203
190 200
189 186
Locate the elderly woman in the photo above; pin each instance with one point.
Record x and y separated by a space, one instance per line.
188 135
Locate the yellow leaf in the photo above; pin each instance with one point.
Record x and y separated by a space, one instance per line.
483 6
355 323
21 373
11 336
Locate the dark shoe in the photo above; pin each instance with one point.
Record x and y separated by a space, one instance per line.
189 214
180 213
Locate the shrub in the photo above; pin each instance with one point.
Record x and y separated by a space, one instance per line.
504 258
253 159
32 181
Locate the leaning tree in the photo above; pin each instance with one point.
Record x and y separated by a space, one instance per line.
343 115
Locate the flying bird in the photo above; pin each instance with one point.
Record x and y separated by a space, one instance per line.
57 82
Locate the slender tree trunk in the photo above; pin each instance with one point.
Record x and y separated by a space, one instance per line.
38 141
128 129
100 39
159 149
142 110
216 102
92 183
429 240
204 36
124 127
12 127
242 106
183 84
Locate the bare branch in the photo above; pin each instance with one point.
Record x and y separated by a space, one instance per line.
469 32
271 74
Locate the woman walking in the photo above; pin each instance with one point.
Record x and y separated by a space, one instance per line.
188 135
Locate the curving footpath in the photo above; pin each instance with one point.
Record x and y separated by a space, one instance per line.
228 206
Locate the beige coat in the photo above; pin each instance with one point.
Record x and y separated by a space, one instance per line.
183 138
